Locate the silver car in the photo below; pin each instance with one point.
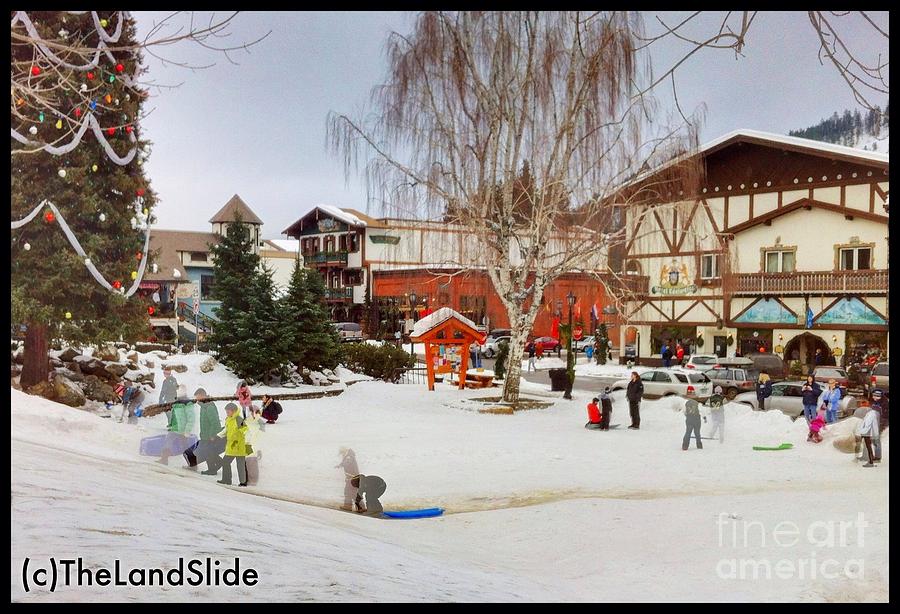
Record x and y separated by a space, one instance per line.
492 346
787 397
667 382
701 362
580 345
880 377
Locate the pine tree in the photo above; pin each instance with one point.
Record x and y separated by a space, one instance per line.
235 270
52 292
316 344
601 344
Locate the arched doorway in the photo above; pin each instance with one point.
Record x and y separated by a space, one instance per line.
803 348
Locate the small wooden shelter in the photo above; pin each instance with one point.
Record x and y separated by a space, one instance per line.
447 336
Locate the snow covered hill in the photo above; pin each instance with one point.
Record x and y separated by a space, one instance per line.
538 507
869 131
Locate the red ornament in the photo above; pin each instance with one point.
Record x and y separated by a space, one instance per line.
49 217
110 131
140 255
35 70
90 76
120 67
128 129
151 310
77 112
140 191
117 284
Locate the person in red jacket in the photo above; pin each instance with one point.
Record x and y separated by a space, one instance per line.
593 409
679 354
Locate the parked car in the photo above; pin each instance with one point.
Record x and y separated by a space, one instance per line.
499 332
824 374
667 382
550 344
771 364
349 331
701 362
880 377
787 397
733 380
492 346
580 345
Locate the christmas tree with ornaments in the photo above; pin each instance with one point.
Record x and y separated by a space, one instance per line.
81 203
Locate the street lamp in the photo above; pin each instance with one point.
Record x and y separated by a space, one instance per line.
412 310
570 366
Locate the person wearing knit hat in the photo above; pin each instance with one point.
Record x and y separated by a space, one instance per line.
716 404
168 390
605 409
235 445
210 446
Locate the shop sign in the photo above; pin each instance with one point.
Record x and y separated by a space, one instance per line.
674 279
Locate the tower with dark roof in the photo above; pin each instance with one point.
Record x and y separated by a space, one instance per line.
227 214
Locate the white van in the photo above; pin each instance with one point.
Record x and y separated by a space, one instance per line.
349 331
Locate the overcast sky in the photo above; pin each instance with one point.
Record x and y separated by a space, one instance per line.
257 129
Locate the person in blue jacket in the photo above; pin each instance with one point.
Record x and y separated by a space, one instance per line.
811 393
830 399
763 389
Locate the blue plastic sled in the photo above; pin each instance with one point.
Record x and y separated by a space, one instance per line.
425 513
153 446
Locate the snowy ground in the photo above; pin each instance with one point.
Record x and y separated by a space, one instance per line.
538 508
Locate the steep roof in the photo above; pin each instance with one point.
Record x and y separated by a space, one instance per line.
235 205
167 244
433 320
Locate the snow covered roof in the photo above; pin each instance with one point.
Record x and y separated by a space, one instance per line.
341 214
287 245
437 318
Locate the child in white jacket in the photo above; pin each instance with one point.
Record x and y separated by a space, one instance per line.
255 428
868 430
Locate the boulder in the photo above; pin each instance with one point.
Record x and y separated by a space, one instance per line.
144 348
160 354
148 363
132 365
68 392
72 366
75 376
208 365
107 353
68 355
19 356
90 365
121 345
97 390
55 362
132 356
147 378
177 367
43 389
116 369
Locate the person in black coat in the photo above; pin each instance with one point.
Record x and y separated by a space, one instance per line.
763 389
634 393
811 393
271 409
606 409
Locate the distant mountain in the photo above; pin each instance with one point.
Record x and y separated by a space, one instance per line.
869 131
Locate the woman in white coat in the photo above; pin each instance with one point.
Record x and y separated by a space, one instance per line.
868 430
255 427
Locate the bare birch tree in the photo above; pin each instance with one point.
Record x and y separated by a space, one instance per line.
471 98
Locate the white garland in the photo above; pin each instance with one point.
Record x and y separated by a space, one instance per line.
73 240
89 120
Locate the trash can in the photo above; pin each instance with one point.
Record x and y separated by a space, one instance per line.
559 379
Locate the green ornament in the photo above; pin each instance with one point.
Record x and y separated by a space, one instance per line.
112 78
41 116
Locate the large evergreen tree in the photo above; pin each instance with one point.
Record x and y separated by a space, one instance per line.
235 271
98 185
316 344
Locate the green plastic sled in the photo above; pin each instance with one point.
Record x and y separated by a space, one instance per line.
784 446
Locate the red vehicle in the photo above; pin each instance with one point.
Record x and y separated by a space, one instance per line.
823 374
549 343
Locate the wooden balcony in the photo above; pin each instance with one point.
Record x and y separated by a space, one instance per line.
817 282
326 258
339 294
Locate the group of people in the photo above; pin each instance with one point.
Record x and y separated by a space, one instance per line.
600 408
667 354
536 352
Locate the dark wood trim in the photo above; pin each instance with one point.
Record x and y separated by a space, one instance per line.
843 196
804 203
683 313
843 327
796 148
710 309
662 229
675 228
871 198
690 252
685 298
810 196
687 223
725 220
635 234
879 191
652 304
712 218
668 322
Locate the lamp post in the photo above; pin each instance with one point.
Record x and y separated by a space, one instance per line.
570 366
412 311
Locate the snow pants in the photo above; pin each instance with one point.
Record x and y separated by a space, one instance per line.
241 467
831 415
209 451
252 464
604 419
692 425
718 425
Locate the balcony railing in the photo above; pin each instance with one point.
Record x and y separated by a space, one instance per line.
339 294
873 281
327 258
